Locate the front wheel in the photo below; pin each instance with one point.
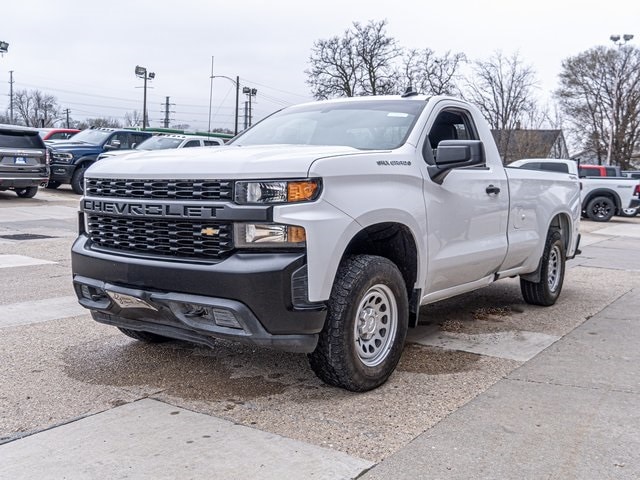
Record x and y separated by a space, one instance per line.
547 289
600 209
77 181
366 326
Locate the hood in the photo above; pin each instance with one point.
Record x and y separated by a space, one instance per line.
65 144
272 161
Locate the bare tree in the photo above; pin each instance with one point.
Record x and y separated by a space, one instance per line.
335 67
377 52
503 89
600 94
107 122
431 74
35 108
132 119
361 62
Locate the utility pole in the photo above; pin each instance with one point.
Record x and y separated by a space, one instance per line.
66 111
11 96
246 115
166 113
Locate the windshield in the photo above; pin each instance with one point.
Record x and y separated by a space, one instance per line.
94 137
366 125
159 143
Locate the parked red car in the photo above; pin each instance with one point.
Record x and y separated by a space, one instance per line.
57 133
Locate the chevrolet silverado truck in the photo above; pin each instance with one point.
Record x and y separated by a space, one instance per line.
602 197
322 229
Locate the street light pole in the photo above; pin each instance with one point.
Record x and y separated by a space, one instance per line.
236 82
249 92
141 72
616 40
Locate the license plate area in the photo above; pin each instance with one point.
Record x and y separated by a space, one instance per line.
125 301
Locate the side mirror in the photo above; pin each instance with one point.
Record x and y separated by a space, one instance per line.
452 154
113 145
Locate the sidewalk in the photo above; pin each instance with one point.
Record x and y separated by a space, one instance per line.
573 412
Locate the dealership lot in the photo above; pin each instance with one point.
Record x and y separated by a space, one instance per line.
66 376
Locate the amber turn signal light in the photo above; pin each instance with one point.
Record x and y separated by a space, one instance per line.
301 191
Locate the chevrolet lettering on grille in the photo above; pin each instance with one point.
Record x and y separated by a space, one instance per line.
163 210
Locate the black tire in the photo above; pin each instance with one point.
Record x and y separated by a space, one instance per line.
601 209
77 181
366 326
27 192
546 291
146 337
53 185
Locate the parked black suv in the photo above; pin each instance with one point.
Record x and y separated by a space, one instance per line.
70 158
24 160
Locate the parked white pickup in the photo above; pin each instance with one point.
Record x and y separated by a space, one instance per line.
601 197
321 229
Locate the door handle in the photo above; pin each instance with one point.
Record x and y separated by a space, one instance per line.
492 189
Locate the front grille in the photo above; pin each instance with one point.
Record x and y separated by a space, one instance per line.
169 189
165 238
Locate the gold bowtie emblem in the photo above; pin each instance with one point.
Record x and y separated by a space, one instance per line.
209 231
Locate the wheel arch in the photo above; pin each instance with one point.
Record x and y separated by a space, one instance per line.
603 192
561 222
395 242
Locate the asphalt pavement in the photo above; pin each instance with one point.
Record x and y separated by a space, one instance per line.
491 389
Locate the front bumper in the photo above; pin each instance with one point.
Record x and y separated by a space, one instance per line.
62 173
195 302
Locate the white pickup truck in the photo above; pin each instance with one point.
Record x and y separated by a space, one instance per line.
601 197
321 229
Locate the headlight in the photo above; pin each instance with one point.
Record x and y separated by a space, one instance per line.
277 191
252 235
61 157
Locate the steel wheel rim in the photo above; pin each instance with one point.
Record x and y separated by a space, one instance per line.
554 268
376 324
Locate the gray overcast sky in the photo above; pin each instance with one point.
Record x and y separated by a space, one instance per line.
85 52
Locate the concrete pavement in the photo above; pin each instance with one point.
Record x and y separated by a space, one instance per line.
573 412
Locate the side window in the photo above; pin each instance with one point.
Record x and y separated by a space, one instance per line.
119 140
589 172
136 138
211 143
611 172
453 124
192 143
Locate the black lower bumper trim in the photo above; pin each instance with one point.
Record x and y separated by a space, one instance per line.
255 288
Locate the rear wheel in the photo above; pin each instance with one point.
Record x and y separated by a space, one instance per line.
147 337
600 209
27 192
363 337
547 289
